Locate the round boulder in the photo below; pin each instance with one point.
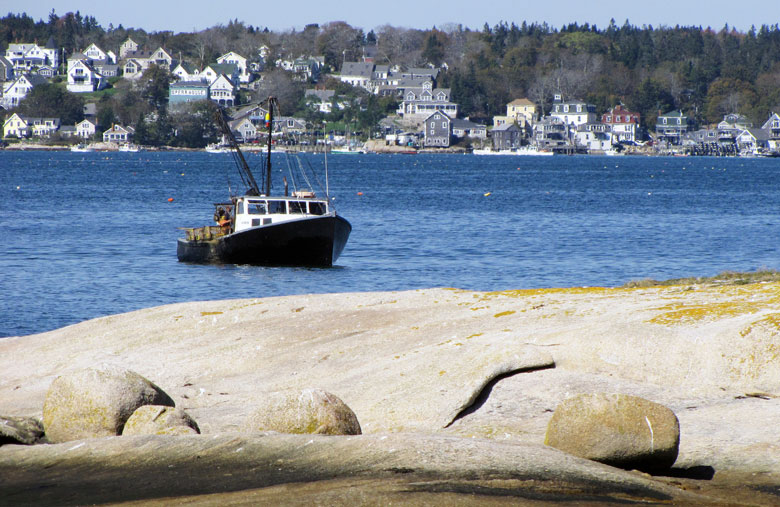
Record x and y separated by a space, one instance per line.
160 420
307 411
616 429
96 403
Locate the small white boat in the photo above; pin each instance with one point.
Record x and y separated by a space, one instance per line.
131 148
217 148
81 148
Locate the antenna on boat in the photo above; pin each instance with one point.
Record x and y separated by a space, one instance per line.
238 157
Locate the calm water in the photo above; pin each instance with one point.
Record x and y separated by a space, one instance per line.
92 234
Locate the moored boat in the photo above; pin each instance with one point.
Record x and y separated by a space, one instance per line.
257 228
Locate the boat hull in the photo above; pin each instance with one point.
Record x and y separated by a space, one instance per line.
311 241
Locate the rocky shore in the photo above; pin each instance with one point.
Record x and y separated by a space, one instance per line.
455 395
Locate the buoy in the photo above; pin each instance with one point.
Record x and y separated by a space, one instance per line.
360 193
487 194
170 199
18 187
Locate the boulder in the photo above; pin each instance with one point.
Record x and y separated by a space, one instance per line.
160 420
616 429
306 411
20 430
96 403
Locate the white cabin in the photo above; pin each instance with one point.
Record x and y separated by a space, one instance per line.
256 211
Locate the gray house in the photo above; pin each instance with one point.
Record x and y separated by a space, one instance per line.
438 130
506 136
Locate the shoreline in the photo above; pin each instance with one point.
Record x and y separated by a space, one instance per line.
411 365
377 150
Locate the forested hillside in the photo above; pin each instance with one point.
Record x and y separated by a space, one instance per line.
705 72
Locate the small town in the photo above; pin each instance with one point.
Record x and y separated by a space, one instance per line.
360 102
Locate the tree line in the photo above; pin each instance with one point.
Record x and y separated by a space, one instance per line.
704 72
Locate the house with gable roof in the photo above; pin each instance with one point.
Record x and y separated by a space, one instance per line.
23 126
357 74
772 127
573 112
437 130
84 78
6 70
185 71
136 62
223 91
671 127
753 141
520 111
118 134
506 137
127 47
26 57
93 52
418 104
246 130
624 124
16 90
240 62
86 129
212 72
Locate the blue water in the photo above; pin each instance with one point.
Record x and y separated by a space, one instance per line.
93 234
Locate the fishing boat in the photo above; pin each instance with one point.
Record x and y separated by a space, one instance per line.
292 229
81 148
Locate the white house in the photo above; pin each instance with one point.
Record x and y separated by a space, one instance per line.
86 129
26 57
594 137
18 89
357 74
118 134
93 52
83 78
213 71
239 61
185 71
127 47
575 112
223 91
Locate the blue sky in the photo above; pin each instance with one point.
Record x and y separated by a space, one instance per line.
193 15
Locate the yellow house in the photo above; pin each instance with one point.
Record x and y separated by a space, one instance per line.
521 111
16 126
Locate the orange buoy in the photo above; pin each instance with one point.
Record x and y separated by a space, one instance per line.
360 193
170 199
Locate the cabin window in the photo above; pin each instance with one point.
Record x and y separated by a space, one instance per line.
317 208
240 209
257 208
297 207
277 207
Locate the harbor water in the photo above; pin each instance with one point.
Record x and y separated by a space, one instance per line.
92 234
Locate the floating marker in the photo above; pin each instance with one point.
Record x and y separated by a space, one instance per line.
360 193
170 199
486 194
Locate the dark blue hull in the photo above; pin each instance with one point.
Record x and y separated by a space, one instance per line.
312 241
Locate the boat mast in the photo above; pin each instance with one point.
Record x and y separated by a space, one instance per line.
269 124
238 157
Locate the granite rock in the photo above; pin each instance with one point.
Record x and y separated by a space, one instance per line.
616 429
96 402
